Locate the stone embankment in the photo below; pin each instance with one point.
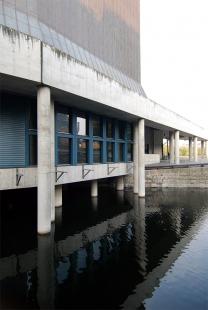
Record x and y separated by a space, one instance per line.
176 177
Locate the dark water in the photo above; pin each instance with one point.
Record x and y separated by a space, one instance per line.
112 252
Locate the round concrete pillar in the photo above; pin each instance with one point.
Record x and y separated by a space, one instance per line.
44 159
58 195
52 163
207 149
141 165
120 183
195 150
94 188
190 149
135 157
177 159
202 149
171 147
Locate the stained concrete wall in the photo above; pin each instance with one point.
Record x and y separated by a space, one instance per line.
177 177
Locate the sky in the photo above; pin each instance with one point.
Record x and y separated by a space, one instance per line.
174 56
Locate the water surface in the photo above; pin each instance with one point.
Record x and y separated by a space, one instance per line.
112 252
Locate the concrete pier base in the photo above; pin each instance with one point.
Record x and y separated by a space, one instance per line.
58 196
94 188
120 183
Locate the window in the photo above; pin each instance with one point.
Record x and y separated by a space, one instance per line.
33 150
81 151
109 128
120 152
33 144
33 116
96 126
129 132
109 152
120 130
63 120
146 148
129 152
81 123
63 151
96 152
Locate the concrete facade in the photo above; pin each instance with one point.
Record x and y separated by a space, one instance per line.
57 74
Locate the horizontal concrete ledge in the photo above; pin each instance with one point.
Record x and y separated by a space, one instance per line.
172 166
63 174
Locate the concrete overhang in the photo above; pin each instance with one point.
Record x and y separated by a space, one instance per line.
30 63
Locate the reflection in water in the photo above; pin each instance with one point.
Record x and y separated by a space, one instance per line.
105 252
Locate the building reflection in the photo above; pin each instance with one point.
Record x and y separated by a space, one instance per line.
110 263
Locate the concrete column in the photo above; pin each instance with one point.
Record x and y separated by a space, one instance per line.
58 195
171 147
44 159
195 150
52 164
207 149
177 160
120 183
94 188
141 165
202 149
190 149
135 157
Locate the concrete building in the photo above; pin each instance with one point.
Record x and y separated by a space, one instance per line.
72 105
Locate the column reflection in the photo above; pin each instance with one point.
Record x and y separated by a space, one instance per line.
46 271
139 234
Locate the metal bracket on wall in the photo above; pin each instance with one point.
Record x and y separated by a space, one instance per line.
18 177
127 168
112 168
60 175
83 171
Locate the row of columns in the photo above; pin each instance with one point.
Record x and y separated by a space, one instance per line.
51 195
174 148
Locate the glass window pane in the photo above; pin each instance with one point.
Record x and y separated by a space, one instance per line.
120 130
63 151
129 152
129 132
120 152
63 119
96 126
96 152
33 116
33 150
81 151
109 151
109 128
81 123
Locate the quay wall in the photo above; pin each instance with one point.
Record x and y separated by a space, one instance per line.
177 177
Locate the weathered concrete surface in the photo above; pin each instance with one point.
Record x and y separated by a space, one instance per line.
20 54
177 177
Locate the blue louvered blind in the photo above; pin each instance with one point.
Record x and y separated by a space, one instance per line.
12 132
